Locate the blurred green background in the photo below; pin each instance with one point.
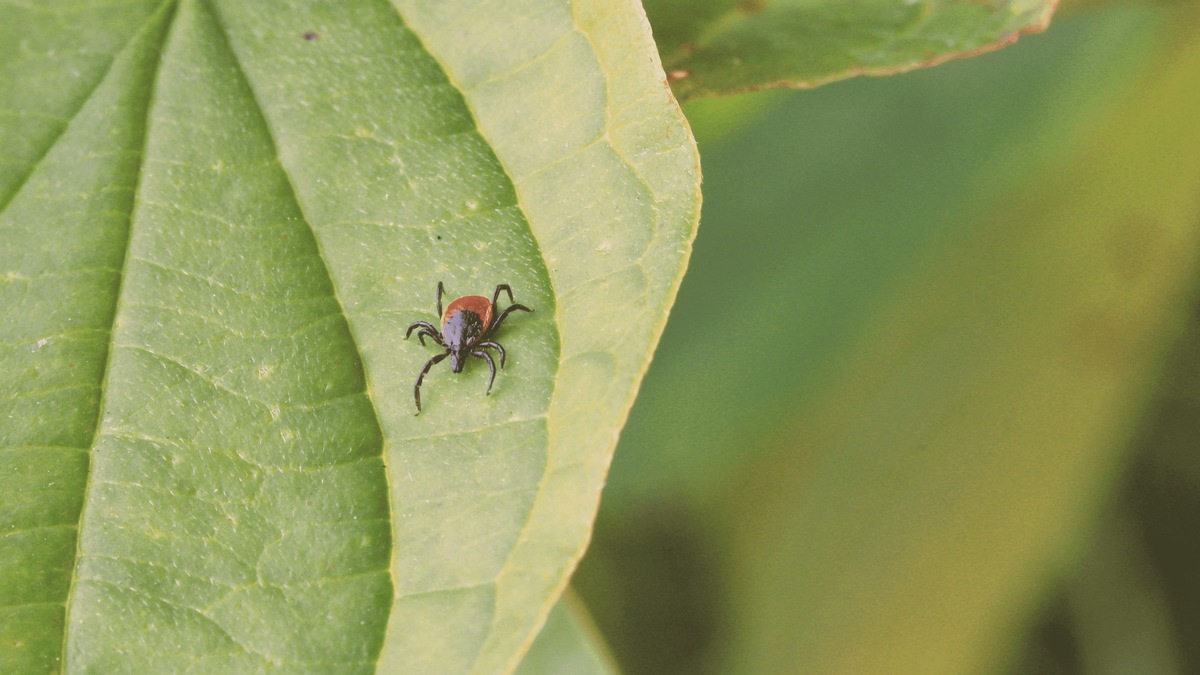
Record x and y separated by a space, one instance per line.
928 399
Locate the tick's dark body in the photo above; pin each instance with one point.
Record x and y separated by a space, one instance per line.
468 324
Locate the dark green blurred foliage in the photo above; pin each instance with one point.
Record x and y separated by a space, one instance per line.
1146 617
821 208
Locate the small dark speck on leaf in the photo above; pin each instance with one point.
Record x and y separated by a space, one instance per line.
310 36
439 237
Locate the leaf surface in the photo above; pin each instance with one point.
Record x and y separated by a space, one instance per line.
716 47
214 249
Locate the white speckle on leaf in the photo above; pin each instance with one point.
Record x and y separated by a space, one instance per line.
265 370
41 343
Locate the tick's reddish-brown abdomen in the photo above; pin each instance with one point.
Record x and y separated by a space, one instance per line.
472 303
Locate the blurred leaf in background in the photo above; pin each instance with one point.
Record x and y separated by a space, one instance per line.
1133 602
725 46
923 320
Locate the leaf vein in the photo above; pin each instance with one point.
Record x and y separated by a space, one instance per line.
163 14
45 152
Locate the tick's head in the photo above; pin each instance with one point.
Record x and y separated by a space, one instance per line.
457 360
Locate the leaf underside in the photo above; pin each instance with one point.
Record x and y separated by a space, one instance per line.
717 47
217 219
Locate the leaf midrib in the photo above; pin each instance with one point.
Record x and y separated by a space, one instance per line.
70 118
164 14
168 7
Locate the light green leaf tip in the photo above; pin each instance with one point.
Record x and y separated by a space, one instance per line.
568 644
217 219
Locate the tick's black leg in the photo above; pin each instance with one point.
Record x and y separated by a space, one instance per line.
429 364
487 357
423 325
436 338
440 290
496 295
497 347
496 323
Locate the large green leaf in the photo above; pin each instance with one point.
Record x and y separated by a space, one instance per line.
717 47
212 237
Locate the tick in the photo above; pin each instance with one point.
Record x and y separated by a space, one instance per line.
468 325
